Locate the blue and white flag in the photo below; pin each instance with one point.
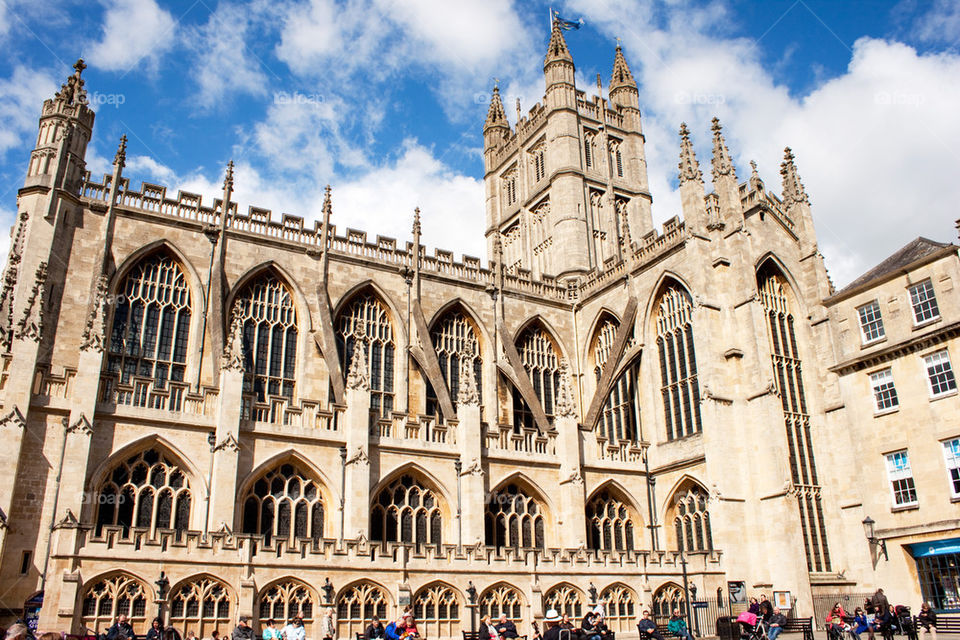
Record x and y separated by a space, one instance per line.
565 24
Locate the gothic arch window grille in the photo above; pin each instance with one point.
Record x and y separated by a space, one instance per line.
151 324
147 490
201 605
509 181
680 388
284 600
502 600
566 600
514 519
691 521
107 598
621 411
269 338
609 523
436 608
454 339
542 237
588 153
616 158
406 511
621 607
537 160
284 503
356 606
604 228
788 378
540 361
665 600
369 317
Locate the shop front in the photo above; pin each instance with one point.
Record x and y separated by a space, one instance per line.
938 570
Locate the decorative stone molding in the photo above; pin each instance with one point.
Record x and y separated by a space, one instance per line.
575 479
15 418
68 521
229 443
82 426
232 359
473 469
467 394
566 407
30 326
360 457
358 377
94 333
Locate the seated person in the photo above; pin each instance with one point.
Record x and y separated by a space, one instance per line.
410 630
678 626
861 623
506 628
835 624
775 624
589 626
648 628
601 625
374 631
927 621
883 622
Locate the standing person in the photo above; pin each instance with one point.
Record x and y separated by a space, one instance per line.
754 607
775 624
552 622
374 630
156 630
879 602
766 608
294 629
648 628
927 621
678 627
328 630
121 630
270 632
243 631
506 628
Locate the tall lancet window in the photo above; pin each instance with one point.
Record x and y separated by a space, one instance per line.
788 377
540 360
454 339
151 322
621 411
366 316
269 337
678 363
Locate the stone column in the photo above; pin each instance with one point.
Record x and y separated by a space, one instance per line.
571 519
470 446
356 490
226 450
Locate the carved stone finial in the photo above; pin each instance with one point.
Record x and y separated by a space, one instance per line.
565 405
120 160
722 164
94 332
689 167
31 324
72 92
467 394
756 184
229 443
232 359
357 377
82 426
496 114
416 223
793 191
228 179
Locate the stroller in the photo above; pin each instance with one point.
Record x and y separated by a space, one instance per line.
751 627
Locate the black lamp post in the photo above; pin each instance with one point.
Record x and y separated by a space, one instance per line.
457 467
343 488
870 530
686 588
696 613
212 441
472 594
163 586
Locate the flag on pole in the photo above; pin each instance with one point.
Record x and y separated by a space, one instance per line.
565 24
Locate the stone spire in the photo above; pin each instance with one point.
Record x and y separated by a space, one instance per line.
120 160
557 49
621 76
793 191
72 91
722 164
623 89
689 167
496 115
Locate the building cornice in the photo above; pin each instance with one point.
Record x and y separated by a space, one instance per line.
917 343
892 275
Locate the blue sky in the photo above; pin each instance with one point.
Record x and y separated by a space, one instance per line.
385 100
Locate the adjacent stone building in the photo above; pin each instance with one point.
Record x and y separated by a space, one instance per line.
218 412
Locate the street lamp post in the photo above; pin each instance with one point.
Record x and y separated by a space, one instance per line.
686 587
343 489
472 594
696 613
869 529
457 466
212 441
163 585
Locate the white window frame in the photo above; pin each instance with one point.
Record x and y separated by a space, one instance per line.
951 456
874 323
899 470
885 398
930 363
916 304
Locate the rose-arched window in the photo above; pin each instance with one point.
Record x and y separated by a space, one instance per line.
679 388
107 598
566 600
455 340
691 520
502 600
406 511
436 608
285 503
368 317
621 607
609 523
514 519
269 337
284 600
541 362
355 607
621 411
665 600
200 605
147 490
151 323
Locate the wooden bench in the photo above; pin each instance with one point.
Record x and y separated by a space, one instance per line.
945 624
475 635
800 625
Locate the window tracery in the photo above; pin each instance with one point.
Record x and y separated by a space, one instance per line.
145 490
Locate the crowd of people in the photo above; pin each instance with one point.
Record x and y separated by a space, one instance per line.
878 616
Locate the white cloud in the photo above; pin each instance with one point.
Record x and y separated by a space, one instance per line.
133 31
941 23
21 97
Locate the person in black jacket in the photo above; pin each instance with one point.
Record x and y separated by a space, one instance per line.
927 621
121 630
506 628
589 626
648 628
156 630
374 630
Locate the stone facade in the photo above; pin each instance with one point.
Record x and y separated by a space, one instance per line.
280 417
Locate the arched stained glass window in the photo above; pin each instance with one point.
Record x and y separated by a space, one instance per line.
284 600
691 520
621 411
269 337
502 599
356 605
151 323
514 519
406 511
541 362
107 598
665 600
436 608
285 503
201 605
680 388
454 339
367 315
609 523
621 607
145 490
566 600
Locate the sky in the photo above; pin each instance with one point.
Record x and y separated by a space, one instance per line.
385 101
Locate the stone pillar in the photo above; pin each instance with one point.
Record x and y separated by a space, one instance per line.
571 519
469 443
356 490
226 450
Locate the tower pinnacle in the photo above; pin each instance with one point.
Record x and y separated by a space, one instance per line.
621 77
72 91
557 49
793 191
689 167
120 160
496 115
722 164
